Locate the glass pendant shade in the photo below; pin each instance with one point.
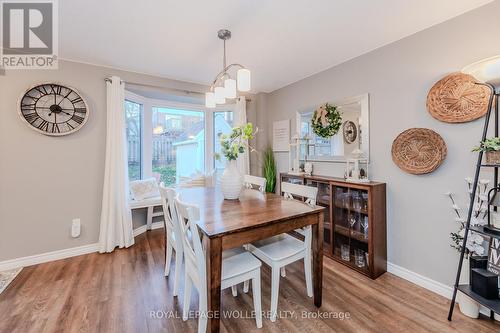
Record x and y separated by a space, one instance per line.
243 78
210 100
487 70
230 87
220 95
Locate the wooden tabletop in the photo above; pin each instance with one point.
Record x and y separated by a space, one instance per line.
253 209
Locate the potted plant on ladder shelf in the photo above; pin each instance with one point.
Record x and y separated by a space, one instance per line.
491 147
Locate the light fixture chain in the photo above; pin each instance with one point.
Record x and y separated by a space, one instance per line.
224 61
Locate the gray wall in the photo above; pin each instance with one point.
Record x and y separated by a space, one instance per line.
45 181
398 77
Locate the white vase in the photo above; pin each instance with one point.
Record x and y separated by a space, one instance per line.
467 305
231 181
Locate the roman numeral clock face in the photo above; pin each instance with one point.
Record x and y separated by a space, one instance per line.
53 109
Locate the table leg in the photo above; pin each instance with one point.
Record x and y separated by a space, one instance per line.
214 272
317 252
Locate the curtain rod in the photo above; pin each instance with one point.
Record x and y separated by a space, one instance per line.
185 91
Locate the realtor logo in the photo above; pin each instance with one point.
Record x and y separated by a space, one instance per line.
29 34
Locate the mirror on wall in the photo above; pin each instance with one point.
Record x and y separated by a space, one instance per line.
353 134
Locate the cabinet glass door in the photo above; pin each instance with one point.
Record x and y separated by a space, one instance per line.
351 226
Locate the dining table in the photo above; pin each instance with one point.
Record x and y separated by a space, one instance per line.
227 224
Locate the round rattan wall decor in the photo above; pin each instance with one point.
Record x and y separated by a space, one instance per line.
418 151
457 98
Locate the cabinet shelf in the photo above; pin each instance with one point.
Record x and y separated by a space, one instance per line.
351 209
359 236
492 304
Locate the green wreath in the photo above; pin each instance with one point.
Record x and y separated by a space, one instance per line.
326 121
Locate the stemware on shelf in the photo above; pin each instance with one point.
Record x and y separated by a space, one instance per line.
345 252
345 200
359 258
364 195
352 221
364 225
356 201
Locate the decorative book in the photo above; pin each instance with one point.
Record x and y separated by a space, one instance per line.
494 256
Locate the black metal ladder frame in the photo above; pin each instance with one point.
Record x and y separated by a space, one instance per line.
494 96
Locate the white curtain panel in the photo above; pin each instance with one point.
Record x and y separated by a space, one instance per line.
116 217
240 118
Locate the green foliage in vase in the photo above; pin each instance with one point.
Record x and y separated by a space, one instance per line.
269 170
491 144
235 143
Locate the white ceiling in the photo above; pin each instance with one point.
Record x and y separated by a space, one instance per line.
280 41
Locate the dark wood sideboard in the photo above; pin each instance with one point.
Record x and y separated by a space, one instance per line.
359 203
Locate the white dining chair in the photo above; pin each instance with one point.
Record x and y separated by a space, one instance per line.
249 181
237 266
173 236
283 249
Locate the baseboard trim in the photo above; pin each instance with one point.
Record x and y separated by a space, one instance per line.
48 256
143 228
420 280
63 254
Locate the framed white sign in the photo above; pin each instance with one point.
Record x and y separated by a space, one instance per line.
281 135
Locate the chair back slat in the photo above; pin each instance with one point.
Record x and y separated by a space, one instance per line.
290 191
189 215
250 180
309 193
168 207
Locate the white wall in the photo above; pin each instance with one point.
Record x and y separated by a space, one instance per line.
398 77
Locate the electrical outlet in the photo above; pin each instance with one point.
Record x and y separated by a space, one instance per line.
76 227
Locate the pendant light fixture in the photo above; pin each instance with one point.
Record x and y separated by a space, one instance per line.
225 85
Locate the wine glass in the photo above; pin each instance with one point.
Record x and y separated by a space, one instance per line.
364 225
365 200
352 221
345 200
356 201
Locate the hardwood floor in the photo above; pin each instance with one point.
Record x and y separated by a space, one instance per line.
126 292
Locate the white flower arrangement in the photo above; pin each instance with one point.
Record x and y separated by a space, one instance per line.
475 241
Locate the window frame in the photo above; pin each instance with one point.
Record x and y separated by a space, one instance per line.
147 127
135 100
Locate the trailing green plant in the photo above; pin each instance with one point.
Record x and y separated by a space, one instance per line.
326 121
235 143
491 144
269 169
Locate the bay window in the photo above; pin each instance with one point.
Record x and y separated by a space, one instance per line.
173 141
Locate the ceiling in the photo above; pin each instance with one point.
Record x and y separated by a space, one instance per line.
280 41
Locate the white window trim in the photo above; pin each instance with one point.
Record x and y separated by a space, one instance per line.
147 127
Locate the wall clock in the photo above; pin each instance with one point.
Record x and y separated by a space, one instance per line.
53 109
350 131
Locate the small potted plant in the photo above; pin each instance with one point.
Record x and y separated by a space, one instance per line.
233 145
491 147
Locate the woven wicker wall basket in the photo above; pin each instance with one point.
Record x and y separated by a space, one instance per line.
457 98
418 151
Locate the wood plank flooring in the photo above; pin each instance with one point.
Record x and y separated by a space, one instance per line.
126 291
